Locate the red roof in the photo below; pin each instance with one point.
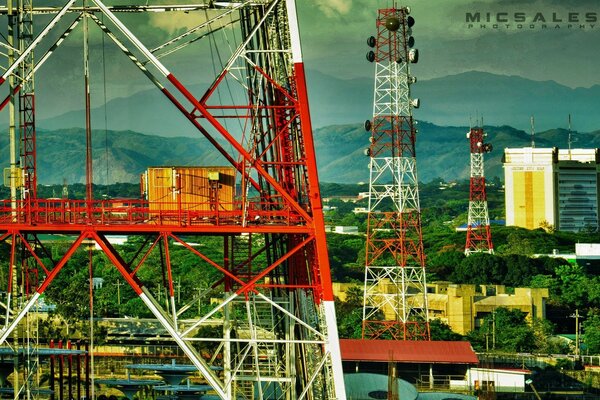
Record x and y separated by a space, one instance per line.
408 351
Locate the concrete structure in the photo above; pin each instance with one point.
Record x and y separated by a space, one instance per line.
586 255
346 230
497 380
548 186
463 307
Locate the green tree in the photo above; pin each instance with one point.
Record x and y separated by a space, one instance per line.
573 285
480 269
442 331
444 263
591 330
519 270
511 331
349 314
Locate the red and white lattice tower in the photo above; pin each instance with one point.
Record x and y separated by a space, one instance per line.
271 294
395 295
479 235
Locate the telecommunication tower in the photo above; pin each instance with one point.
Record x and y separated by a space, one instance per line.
272 281
479 235
395 295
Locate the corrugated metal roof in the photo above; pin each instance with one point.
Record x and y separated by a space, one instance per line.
408 351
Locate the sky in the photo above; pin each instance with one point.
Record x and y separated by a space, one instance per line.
334 34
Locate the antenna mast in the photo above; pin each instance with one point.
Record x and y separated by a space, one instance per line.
569 136
532 122
479 235
395 295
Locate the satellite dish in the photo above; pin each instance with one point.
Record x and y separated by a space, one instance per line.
412 79
368 125
371 56
410 21
411 41
371 41
415 103
413 56
392 24
367 152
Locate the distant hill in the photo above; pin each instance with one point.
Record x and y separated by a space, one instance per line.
448 101
506 100
442 152
61 155
455 100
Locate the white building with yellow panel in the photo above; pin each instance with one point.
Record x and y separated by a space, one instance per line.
529 186
548 186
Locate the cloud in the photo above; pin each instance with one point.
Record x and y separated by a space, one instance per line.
332 8
175 22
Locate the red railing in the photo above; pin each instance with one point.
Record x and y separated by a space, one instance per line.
135 212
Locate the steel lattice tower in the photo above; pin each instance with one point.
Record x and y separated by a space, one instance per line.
275 309
395 295
479 235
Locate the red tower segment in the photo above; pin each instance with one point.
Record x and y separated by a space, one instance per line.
272 282
479 235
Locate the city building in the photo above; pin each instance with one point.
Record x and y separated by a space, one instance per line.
577 189
529 186
498 379
586 255
551 187
428 365
464 306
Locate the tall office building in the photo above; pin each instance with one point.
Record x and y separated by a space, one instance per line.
577 189
548 186
529 186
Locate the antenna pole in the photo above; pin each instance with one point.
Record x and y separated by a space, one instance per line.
569 136
532 132
88 124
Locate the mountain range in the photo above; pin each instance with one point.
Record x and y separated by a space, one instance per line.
453 100
338 108
120 156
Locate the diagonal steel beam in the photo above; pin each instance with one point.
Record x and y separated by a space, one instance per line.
41 61
177 104
5 332
159 313
256 164
36 41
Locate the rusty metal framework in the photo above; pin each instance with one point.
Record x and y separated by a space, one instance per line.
395 295
279 334
479 234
